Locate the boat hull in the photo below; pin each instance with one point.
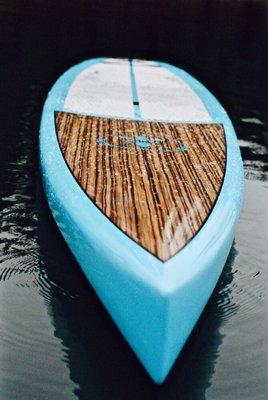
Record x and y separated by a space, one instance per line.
155 304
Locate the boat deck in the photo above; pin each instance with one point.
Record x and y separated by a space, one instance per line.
156 181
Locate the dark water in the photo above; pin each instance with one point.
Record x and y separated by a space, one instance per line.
56 340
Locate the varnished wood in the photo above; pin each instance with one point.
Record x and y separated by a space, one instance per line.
156 181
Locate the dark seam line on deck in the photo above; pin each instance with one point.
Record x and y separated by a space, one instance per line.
135 99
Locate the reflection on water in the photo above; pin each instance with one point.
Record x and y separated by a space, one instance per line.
56 340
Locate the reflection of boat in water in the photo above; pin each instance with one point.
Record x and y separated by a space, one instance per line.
99 360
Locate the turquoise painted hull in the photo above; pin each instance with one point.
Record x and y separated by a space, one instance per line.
155 305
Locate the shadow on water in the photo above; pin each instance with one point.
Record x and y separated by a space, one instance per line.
99 359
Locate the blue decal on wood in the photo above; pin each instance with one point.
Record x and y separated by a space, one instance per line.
142 142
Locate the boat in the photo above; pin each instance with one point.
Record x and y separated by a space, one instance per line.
143 175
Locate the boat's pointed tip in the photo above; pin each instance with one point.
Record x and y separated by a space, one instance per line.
159 379
159 364
159 372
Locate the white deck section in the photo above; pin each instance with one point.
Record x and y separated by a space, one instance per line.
103 89
163 95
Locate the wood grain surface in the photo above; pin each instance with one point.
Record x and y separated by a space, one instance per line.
156 181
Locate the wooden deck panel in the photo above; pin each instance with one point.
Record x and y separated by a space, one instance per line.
156 181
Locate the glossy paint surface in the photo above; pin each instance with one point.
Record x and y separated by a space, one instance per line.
152 302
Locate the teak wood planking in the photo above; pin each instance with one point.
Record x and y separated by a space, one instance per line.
156 181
